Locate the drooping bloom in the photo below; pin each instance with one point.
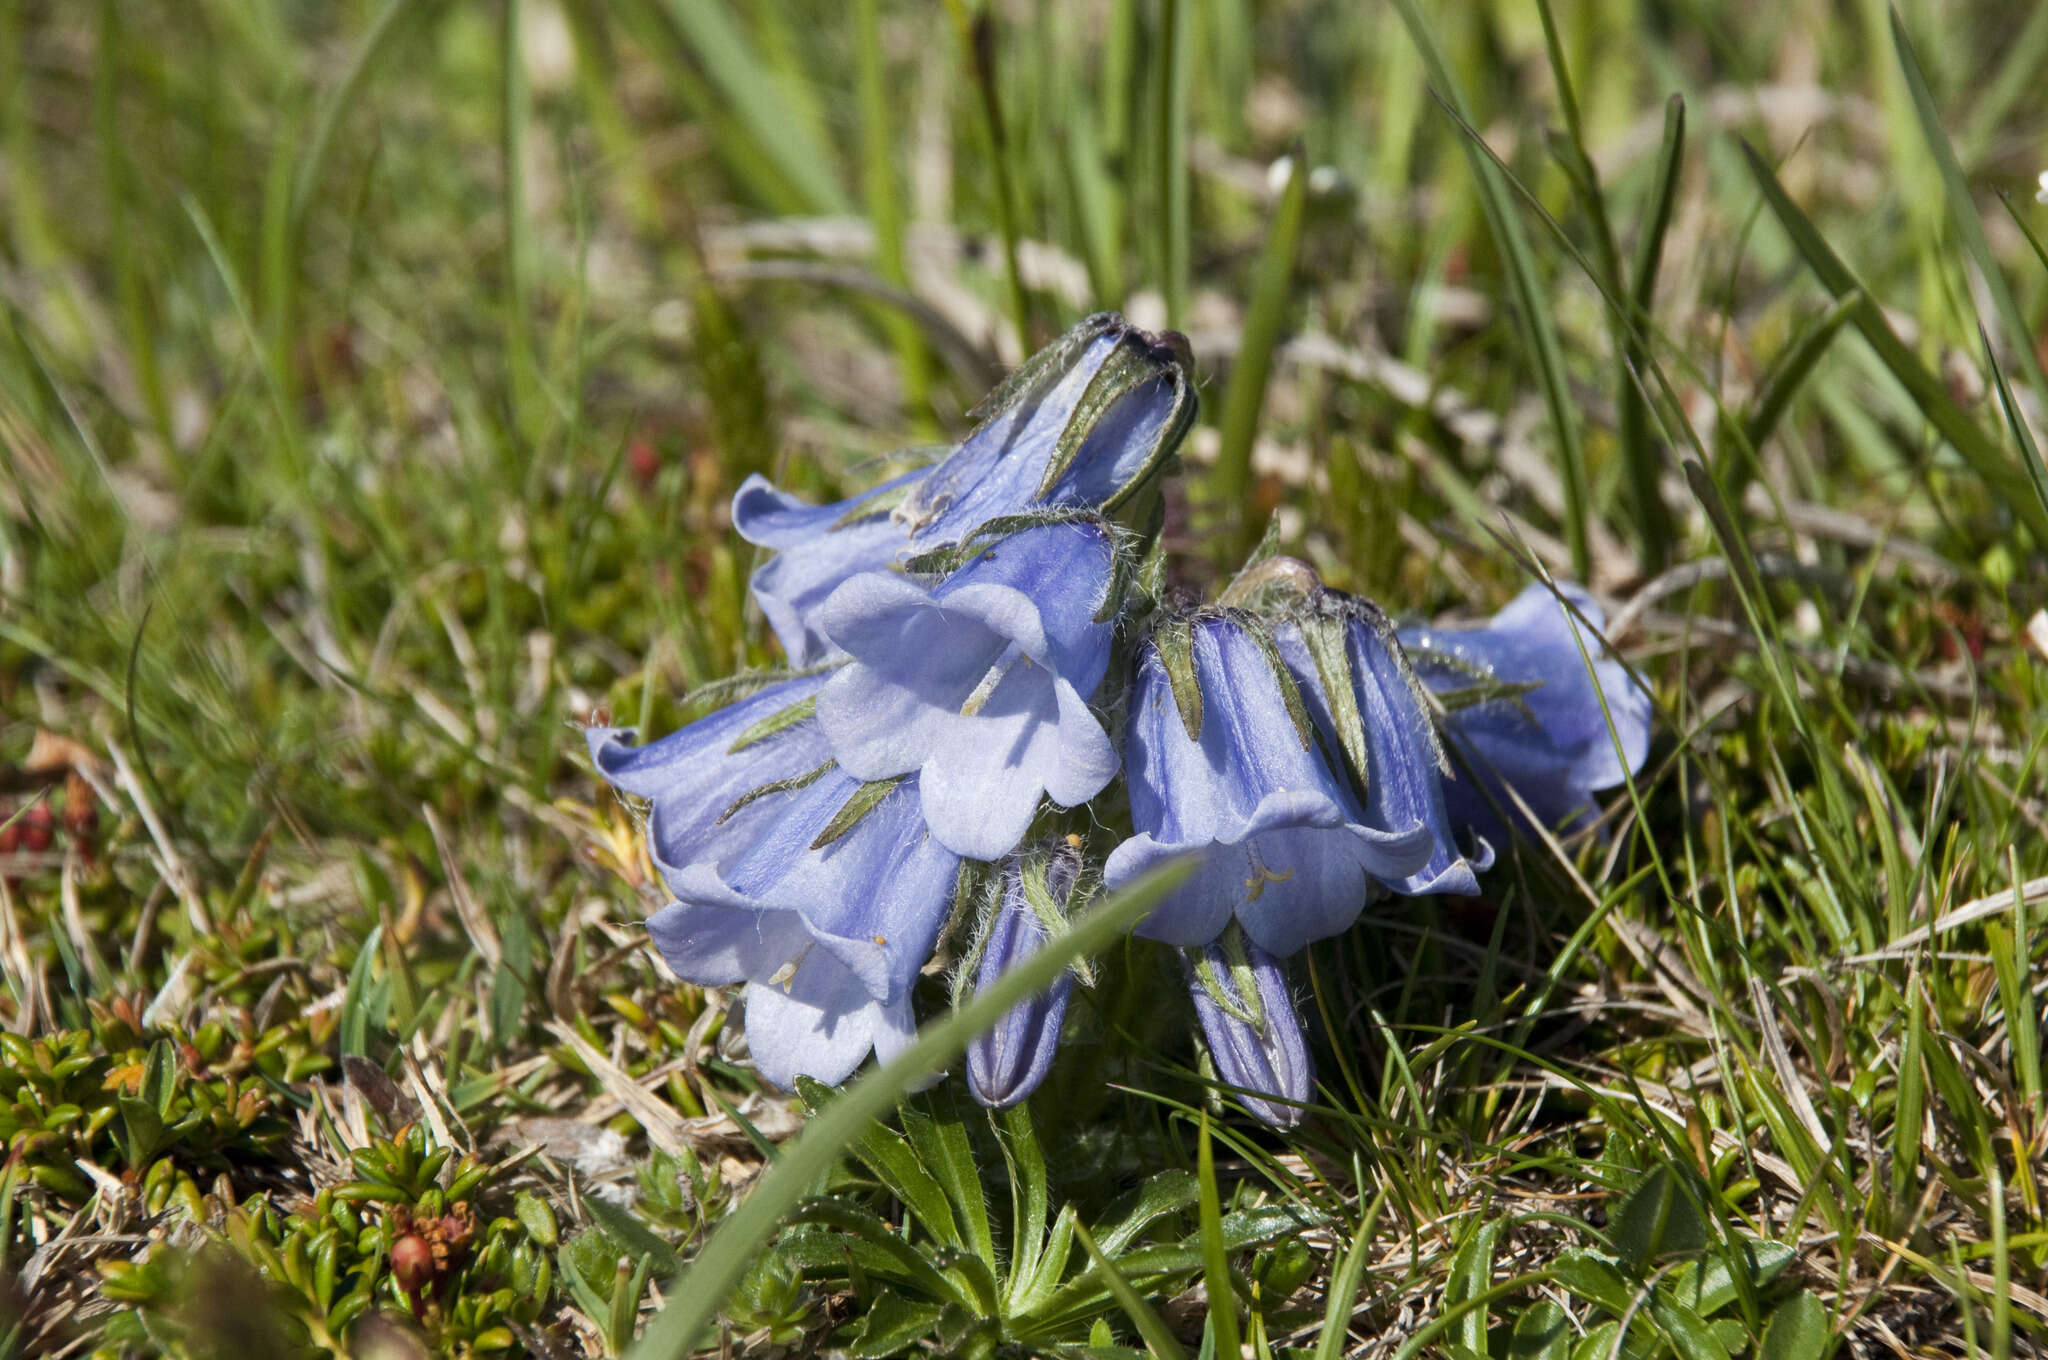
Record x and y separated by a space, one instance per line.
692 775
1229 769
827 930
1253 1030
1084 423
823 895
1368 705
980 684
817 547
1007 1063
1526 713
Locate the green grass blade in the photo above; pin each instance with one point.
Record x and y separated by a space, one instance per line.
1095 203
722 50
1530 295
1215 1259
368 52
977 36
1984 456
1345 1282
1963 212
1245 393
1158 1340
699 1292
885 201
1170 152
521 372
1654 533
138 320
1790 374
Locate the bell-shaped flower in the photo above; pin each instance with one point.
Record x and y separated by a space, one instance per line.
1525 711
1368 705
1223 764
980 684
816 547
694 774
827 914
1083 424
1006 1064
1255 1039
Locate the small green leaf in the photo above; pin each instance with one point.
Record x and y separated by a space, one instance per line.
1690 1336
537 1218
159 1071
1471 1275
892 1325
1542 1332
935 1130
1656 1217
1707 1286
1593 1277
1798 1330
633 1235
1028 1181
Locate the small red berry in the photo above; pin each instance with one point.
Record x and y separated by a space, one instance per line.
38 828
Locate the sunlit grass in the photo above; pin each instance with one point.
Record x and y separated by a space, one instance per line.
373 380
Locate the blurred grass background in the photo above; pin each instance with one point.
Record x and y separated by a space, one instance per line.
372 383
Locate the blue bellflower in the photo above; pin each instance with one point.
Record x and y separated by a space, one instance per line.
980 684
1081 425
1254 1033
694 774
1542 732
1007 1063
817 547
1346 651
827 924
1282 844
828 934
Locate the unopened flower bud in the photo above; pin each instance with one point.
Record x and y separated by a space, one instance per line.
1254 1034
1006 1064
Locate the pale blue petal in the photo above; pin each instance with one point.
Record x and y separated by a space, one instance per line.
1553 745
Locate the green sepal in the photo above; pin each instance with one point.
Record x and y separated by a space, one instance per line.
946 560
789 785
1123 577
779 721
1290 693
874 506
1245 1005
864 800
718 693
1133 363
1486 691
1324 635
1175 641
1269 580
1054 358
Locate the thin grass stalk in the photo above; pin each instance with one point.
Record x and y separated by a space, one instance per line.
1245 393
1170 156
885 203
702 1289
1531 297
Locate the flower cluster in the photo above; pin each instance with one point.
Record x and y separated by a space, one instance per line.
981 647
